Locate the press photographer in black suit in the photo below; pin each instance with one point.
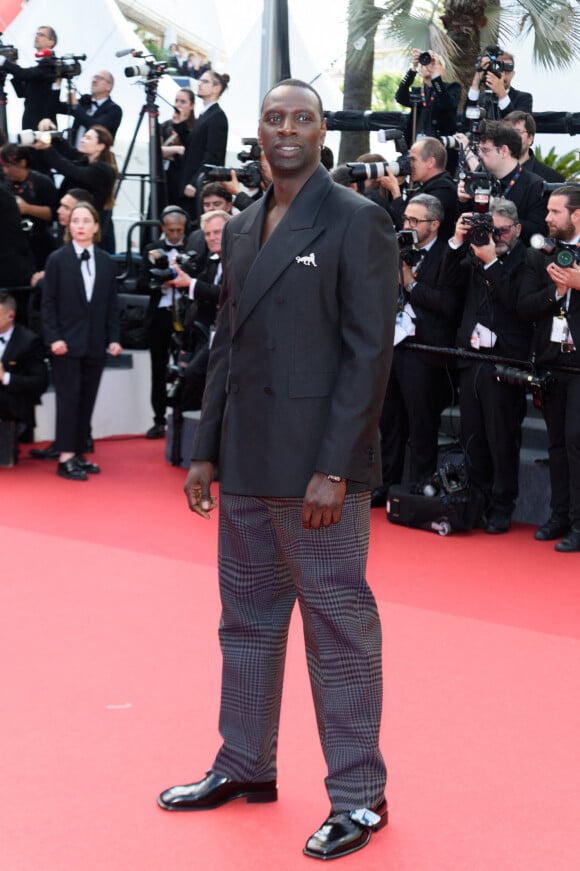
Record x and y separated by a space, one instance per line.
94 108
498 96
551 297
524 124
37 84
490 277
23 374
420 384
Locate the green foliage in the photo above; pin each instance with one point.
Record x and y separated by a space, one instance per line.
568 164
384 90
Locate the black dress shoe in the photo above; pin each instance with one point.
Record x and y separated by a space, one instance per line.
157 431
570 543
497 523
554 528
85 465
49 453
71 471
346 832
214 791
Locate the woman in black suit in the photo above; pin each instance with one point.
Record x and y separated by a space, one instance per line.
81 322
208 139
174 135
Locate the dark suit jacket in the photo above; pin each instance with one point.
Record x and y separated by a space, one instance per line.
491 299
301 357
16 261
23 358
538 303
441 186
34 84
87 327
436 305
439 117
542 169
206 144
520 101
108 114
531 202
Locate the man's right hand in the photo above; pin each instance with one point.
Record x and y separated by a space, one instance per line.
462 229
197 488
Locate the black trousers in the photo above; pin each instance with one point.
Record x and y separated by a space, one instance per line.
562 415
76 382
417 393
160 332
491 424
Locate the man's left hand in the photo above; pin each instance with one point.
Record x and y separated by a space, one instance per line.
323 502
485 253
565 276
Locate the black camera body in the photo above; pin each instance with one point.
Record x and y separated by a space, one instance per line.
249 175
481 229
68 66
150 68
10 52
565 253
495 66
254 150
406 240
536 384
161 272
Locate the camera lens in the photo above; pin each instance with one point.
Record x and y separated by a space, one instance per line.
425 58
565 258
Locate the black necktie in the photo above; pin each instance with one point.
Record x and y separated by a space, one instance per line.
85 256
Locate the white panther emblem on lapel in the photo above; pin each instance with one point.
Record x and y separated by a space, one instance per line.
308 260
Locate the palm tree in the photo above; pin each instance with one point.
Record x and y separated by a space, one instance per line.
456 30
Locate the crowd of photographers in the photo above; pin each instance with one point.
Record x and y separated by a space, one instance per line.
489 261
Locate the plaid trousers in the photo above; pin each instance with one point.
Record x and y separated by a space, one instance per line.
266 562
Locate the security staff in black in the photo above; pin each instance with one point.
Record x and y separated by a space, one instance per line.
551 297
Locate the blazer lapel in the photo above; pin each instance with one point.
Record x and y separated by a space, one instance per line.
294 234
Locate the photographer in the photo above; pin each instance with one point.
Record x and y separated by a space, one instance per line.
499 150
551 297
428 159
524 124
484 262
38 85
419 385
161 315
494 71
94 108
244 198
434 105
208 139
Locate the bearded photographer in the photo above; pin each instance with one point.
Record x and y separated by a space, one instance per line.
420 384
37 85
484 261
551 297
494 72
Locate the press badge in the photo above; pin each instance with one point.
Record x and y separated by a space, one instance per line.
560 330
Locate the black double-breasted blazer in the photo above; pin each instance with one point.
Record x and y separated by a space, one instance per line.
301 357
87 327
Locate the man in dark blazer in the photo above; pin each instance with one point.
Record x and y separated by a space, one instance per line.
297 374
94 108
491 411
420 384
498 98
551 298
23 373
36 84
208 139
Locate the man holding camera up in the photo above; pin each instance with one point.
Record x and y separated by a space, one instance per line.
94 108
551 297
494 71
419 384
38 85
484 261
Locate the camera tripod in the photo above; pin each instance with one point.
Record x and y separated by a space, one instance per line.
157 191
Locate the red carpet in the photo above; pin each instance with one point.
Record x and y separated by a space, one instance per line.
108 614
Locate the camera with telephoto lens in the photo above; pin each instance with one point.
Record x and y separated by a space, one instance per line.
425 58
249 175
150 68
537 385
407 239
363 171
68 66
254 151
29 137
10 52
565 253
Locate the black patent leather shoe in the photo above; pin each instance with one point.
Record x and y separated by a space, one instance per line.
554 528
213 791
71 471
346 832
49 453
85 465
570 543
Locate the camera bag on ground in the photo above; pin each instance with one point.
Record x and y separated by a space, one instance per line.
444 503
